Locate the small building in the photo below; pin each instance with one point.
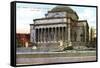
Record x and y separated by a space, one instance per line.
59 29
21 39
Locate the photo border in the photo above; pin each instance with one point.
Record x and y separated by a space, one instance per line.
13 32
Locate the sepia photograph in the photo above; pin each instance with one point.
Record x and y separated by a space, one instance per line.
55 33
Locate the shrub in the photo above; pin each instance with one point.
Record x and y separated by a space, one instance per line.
68 48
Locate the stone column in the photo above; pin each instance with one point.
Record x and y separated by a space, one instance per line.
38 34
66 33
44 34
68 29
48 34
41 34
69 36
62 33
52 36
59 34
34 35
55 34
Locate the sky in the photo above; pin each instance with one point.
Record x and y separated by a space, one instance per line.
26 12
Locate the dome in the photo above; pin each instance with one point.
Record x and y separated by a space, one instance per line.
63 9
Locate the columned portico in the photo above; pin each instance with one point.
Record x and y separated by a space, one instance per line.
47 35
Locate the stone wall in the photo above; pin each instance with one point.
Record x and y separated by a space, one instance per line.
49 46
79 45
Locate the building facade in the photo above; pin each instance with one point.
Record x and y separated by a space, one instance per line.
59 29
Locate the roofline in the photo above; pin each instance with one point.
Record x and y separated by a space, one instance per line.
82 20
52 18
48 18
49 23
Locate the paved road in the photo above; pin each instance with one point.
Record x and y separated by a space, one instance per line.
53 60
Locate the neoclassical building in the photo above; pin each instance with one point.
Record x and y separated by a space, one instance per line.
59 29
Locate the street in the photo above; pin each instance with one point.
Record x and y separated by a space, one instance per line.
47 60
